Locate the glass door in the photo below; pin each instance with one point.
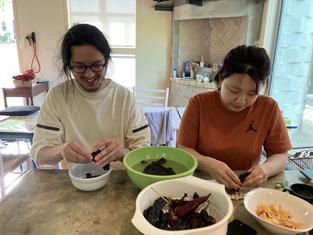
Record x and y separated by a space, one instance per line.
292 76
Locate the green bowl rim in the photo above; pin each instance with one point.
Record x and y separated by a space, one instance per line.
193 168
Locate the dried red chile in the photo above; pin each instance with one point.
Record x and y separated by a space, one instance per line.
156 168
89 175
94 154
243 176
180 214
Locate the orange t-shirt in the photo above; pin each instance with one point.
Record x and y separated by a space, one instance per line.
235 138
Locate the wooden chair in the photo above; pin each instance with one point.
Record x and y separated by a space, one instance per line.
151 97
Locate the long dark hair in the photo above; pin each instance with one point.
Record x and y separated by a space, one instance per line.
250 60
79 35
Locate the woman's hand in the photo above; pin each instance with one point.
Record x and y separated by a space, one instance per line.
73 152
221 173
257 177
274 164
110 151
217 169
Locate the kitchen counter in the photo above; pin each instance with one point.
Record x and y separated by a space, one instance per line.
45 202
181 90
192 82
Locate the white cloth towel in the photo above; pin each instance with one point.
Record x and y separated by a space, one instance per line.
160 123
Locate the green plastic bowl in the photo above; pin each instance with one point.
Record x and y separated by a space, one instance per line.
186 164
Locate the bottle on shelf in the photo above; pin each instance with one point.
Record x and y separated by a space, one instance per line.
201 62
174 73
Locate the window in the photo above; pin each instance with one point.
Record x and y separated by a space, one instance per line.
4 26
8 51
117 20
292 75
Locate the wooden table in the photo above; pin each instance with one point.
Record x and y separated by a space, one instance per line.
27 92
45 202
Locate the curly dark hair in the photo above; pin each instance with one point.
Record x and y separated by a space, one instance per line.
79 35
250 60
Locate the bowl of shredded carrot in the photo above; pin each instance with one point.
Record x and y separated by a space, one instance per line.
279 212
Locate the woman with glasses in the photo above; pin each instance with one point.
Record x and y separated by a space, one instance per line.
227 128
88 112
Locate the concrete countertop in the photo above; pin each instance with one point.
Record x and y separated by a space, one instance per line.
45 202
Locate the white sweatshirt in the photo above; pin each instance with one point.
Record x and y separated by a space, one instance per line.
71 113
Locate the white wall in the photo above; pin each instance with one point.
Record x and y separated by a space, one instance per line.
154 35
48 19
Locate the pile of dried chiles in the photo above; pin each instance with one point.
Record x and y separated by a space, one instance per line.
157 168
180 214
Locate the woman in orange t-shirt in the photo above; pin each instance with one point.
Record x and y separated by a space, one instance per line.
226 129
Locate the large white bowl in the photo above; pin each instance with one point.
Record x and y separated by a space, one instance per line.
220 208
301 210
78 173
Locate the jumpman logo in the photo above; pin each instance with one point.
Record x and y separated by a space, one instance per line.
251 128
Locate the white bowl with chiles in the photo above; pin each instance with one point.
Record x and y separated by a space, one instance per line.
89 176
186 205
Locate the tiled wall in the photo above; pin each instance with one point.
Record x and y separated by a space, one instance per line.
210 31
226 33
210 38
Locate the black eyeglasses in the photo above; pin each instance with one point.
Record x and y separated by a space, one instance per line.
81 68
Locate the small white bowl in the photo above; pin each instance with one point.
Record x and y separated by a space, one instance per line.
78 173
300 210
220 206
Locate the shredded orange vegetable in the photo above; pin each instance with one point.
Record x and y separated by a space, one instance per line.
276 215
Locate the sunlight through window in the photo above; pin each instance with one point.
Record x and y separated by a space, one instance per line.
117 20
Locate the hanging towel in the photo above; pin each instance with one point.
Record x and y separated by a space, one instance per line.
160 123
